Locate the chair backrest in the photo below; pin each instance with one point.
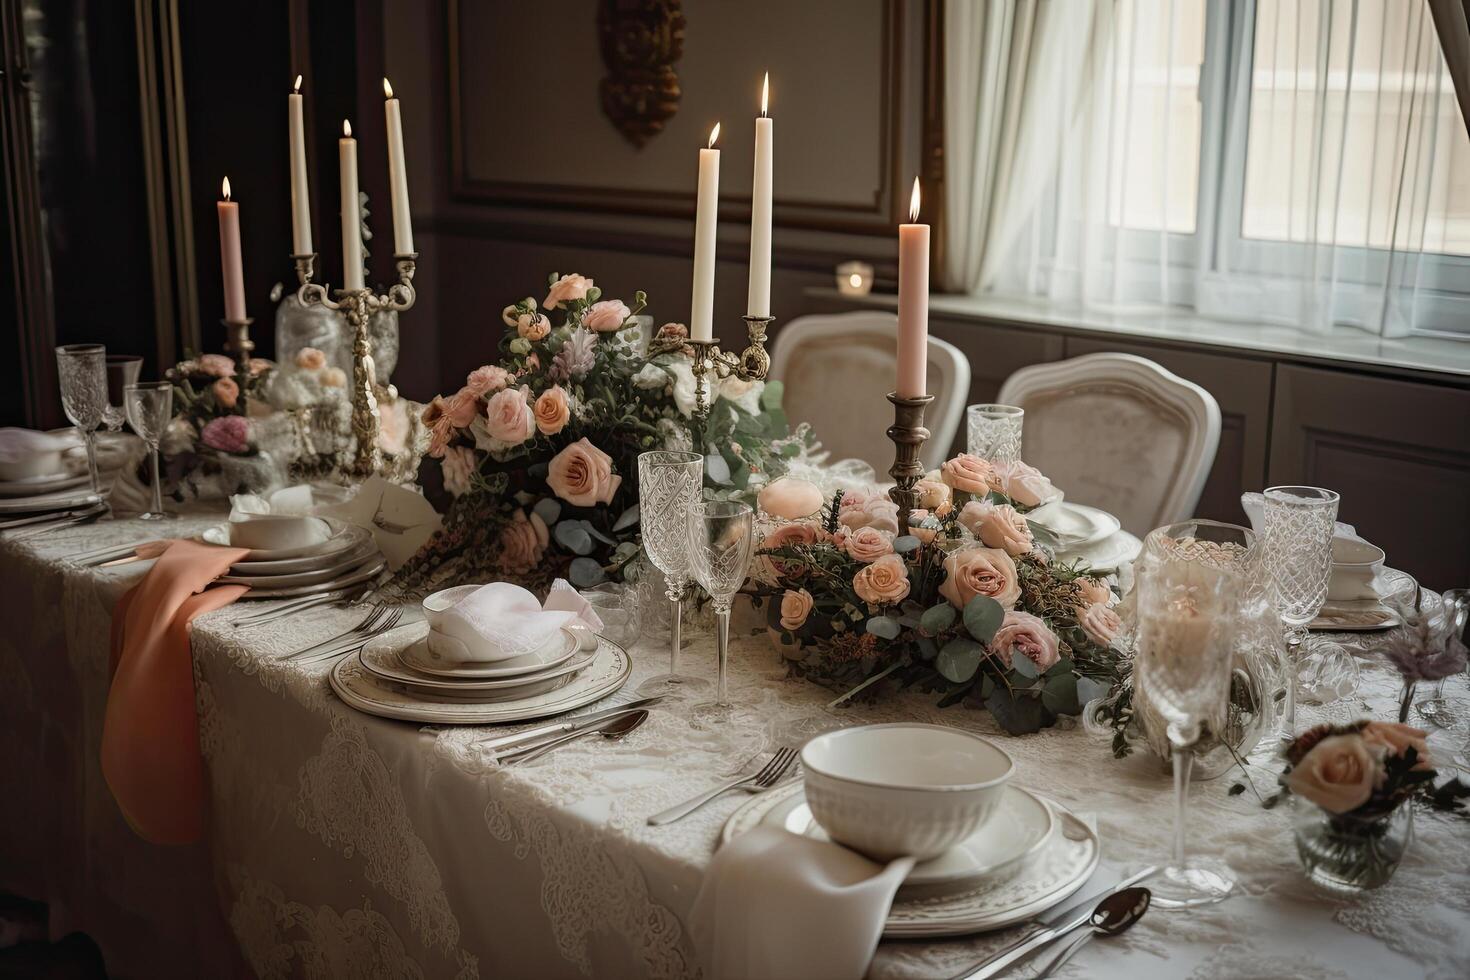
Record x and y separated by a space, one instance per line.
838 370
1118 432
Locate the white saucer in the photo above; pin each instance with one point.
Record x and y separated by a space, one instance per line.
339 541
385 656
416 658
1074 525
328 567
355 536
49 483
362 573
1367 615
1062 865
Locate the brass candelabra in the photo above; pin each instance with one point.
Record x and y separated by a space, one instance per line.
238 342
908 435
751 364
360 306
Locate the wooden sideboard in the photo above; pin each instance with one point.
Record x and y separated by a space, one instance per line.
1394 441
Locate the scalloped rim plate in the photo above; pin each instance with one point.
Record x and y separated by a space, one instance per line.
356 534
328 567
367 570
384 656
339 541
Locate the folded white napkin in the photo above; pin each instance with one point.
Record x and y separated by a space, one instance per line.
500 621
400 519
18 444
775 905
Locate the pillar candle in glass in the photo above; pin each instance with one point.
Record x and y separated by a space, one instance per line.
231 266
913 304
300 194
758 300
351 210
702 305
397 175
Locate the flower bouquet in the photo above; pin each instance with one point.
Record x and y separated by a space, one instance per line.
539 450
210 443
969 604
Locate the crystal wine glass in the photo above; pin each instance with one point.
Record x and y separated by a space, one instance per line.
122 370
150 406
1299 522
1437 709
721 540
83 372
1187 612
994 432
668 483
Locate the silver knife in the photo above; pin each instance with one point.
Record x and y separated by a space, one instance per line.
523 740
1054 924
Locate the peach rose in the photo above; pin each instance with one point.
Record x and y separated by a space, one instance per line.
581 474
483 380
226 392
1338 774
334 377
459 464
1093 591
508 416
1024 484
980 571
552 411
1023 633
310 359
934 495
870 510
607 316
522 543
511 313
569 288
462 407
796 606
217 365
966 473
884 582
1099 622
999 526
436 419
533 326
796 533
1396 738
673 331
865 544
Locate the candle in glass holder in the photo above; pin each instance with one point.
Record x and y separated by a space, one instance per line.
702 305
913 304
231 266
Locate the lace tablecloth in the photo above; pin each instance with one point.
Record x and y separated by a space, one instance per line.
346 845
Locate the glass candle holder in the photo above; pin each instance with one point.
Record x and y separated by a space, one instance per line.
994 432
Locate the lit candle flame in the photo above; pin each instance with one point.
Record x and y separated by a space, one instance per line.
914 202
855 279
765 92
714 134
225 188
297 86
346 129
387 89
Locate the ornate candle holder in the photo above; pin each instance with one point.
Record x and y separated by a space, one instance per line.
360 305
238 342
908 435
751 364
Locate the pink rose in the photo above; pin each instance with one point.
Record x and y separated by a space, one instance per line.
673 331
870 510
581 474
980 571
1023 483
1023 633
462 408
1093 591
1099 622
796 606
533 326
228 434
607 316
522 543
999 526
568 288
1396 738
259 365
1338 773
490 377
884 582
968 474
459 464
934 495
552 411
508 416
217 365
797 533
865 544
310 359
226 392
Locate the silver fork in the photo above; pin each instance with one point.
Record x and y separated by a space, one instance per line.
356 642
765 779
292 606
369 622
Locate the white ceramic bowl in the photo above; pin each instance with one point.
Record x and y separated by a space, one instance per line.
1355 563
268 532
891 790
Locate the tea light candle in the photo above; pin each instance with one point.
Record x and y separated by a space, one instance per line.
855 278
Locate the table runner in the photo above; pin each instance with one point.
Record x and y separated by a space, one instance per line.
342 843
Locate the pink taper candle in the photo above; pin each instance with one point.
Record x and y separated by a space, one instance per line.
229 255
913 304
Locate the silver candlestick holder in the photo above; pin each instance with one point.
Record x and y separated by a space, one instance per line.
360 305
709 360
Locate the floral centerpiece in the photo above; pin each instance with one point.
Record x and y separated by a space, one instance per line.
539 450
211 437
969 604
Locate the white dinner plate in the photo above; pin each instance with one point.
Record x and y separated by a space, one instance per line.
355 534
59 500
362 573
1106 555
385 657
340 540
360 689
1074 525
417 659
1065 861
1366 615
328 567
49 483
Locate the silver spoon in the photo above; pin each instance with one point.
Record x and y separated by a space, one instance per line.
1113 915
613 730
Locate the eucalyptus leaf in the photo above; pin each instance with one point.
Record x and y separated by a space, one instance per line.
983 616
959 659
905 543
573 536
771 395
938 618
585 572
1025 666
1017 715
885 627
716 468
1060 695
549 509
626 519
587 526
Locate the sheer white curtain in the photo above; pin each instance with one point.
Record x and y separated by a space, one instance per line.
1298 162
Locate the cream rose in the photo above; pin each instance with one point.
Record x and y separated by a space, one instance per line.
874 510
1001 527
1338 774
522 543
1396 738
980 571
607 316
884 582
568 288
796 606
533 326
552 411
459 463
508 416
934 495
581 474
1024 484
1099 622
1023 633
1093 591
966 473
865 544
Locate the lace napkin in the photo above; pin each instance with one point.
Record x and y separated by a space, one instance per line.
505 621
777 905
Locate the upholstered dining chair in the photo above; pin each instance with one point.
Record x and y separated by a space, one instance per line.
1119 432
838 370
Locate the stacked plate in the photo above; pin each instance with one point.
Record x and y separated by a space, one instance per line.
395 676
1079 531
51 500
348 556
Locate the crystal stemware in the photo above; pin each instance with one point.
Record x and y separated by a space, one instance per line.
994 432
1437 709
1299 522
150 406
1186 617
668 483
82 369
122 370
721 540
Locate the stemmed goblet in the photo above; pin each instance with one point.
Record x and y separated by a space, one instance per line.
668 483
721 539
150 408
122 370
1299 522
1437 709
82 369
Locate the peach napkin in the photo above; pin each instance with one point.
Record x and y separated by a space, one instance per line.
150 733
